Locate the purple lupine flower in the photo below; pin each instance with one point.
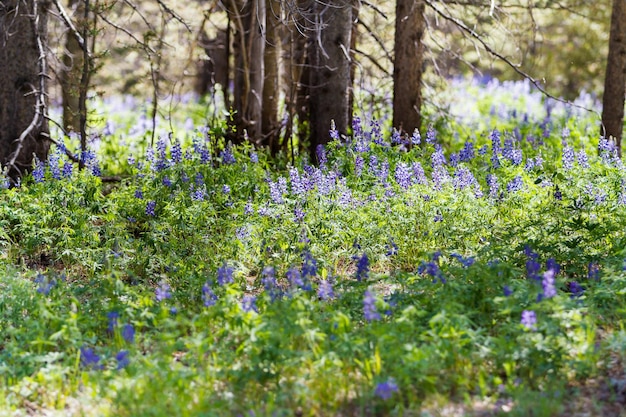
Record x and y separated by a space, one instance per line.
416 138
582 158
358 165
39 171
515 184
320 152
507 291
150 208
357 129
392 248
112 317
225 274
44 284
396 139
431 135
138 194
376 133
309 265
68 169
466 262
247 209
122 358
53 163
369 306
208 296
89 359
198 194
248 304
495 148
492 182
225 189
439 176
419 177
176 152
166 181
532 265
549 289
270 284
529 319
454 159
163 291
373 165
437 158
295 278
362 267
567 159
128 333
383 173
576 289
325 290
552 264
403 175
483 150
467 153
464 178
593 271
385 390
227 156
296 181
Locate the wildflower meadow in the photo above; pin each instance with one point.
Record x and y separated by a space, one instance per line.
477 268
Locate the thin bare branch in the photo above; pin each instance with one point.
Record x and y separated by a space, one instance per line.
472 33
68 23
174 15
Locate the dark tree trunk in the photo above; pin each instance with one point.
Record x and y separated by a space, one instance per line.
213 69
23 125
615 78
70 76
248 22
330 69
295 76
407 71
271 88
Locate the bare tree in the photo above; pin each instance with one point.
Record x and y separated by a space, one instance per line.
271 86
615 78
71 72
329 47
408 62
23 83
248 22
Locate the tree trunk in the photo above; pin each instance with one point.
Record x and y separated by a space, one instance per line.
295 76
23 125
271 88
407 66
615 78
330 69
72 70
248 18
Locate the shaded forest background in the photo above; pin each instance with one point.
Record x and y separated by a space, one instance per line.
286 70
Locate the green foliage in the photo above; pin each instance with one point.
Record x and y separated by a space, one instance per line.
207 282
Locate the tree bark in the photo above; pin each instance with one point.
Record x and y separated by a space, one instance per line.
407 66
72 70
23 123
615 78
271 90
330 69
248 17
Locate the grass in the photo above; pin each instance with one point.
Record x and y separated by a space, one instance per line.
383 282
